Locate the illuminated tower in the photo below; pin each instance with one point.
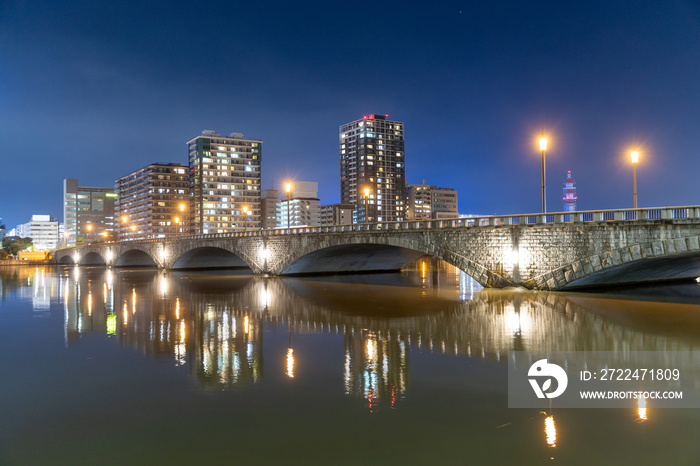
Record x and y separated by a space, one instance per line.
224 178
569 193
372 171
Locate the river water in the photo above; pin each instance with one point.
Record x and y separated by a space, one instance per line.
111 366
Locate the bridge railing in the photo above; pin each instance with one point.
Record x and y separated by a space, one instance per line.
555 218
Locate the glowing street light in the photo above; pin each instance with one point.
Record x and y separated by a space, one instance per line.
245 217
288 188
635 159
543 148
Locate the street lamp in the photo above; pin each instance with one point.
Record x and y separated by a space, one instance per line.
245 217
635 159
543 148
366 202
177 223
288 188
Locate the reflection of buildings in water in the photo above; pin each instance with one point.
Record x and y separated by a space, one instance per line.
432 273
227 347
32 284
88 300
200 319
376 367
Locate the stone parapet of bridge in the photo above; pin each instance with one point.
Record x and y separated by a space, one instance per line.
539 251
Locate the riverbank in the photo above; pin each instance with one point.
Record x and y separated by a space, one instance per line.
28 263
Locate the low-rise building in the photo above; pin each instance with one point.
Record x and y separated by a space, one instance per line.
337 214
426 202
302 207
43 230
268 208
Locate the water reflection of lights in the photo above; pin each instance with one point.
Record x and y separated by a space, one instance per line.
642 408
290 363
163 285
371 351
180 349
517 322
550 430
111 324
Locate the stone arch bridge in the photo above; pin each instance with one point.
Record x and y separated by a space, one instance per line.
539 251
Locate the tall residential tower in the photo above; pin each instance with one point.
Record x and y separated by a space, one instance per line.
372 168
224 181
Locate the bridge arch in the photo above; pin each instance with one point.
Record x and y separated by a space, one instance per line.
66 259
376 253
93 258
135 257
631 271
208 257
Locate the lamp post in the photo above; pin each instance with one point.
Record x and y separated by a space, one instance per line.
88 235
635 159
366 205
245 217
177 224
543 148
288 188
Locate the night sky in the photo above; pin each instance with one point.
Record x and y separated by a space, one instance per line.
95 90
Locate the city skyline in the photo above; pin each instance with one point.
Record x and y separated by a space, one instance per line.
474 84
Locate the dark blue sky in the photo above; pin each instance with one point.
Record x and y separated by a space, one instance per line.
95 90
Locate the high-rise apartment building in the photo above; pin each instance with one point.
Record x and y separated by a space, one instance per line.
372 168
152 202
429 202
224 180
88 212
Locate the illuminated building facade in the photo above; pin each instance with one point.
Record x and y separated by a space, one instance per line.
224 178
569 192
429 202
152 202
43 230
337 214
88 212
304 206
372 158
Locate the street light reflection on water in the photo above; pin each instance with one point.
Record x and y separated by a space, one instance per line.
388 328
